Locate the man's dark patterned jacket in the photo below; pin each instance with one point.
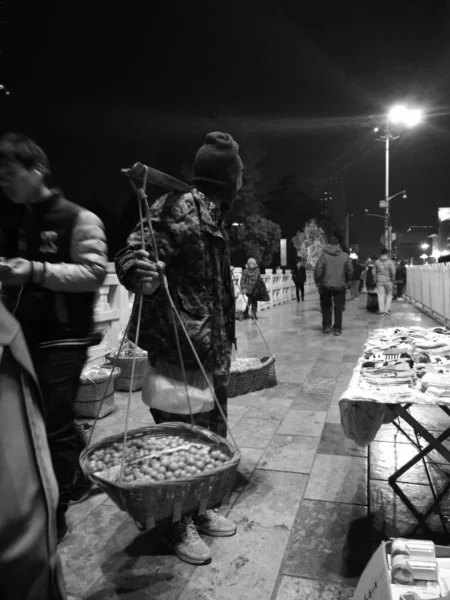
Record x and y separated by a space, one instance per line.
192 243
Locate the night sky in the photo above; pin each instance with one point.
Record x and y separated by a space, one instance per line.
102 87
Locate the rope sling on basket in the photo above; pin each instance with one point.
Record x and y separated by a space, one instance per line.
135 469
251 374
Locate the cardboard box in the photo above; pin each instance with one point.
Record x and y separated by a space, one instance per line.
375 582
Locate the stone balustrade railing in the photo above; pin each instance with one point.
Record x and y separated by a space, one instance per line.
115 302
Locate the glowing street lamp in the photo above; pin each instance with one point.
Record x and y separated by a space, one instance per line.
400 114
424 246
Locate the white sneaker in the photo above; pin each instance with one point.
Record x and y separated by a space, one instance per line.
214 524
183 539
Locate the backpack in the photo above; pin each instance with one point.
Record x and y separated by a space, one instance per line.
370 278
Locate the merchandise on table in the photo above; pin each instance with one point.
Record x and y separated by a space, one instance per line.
398 366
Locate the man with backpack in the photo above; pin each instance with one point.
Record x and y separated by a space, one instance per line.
370 286
332 274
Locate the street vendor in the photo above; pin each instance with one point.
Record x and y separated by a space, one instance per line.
191 243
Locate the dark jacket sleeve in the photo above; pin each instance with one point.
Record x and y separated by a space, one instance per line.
348 270
319 270
167 228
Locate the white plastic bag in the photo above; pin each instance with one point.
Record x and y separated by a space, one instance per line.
241 303
164 389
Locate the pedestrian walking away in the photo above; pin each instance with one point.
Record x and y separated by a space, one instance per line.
332 274
299 279
56 260
248 282
370 286
356 279
400 280
191 241
385 280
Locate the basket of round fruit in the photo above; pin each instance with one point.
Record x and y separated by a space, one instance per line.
96 392
169 470
124 361
251 375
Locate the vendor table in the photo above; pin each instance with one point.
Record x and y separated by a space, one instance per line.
365 408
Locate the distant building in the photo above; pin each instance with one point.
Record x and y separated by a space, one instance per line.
331 191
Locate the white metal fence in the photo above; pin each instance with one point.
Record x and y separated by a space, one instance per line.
428 287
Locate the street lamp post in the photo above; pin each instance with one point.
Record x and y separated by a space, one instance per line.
400 115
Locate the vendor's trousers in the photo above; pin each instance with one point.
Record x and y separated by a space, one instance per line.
58 370
212 420
328 300
29 566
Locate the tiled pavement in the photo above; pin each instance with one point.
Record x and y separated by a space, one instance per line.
302 497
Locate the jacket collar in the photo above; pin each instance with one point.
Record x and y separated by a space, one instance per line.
211 217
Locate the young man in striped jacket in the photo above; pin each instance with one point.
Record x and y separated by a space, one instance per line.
56 259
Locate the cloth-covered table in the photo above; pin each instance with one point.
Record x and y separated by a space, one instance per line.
399 368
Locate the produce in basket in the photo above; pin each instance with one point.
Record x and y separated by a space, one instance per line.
153 460
239 365
95 374
127 351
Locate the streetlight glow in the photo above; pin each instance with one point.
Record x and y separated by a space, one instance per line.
401 114
425 246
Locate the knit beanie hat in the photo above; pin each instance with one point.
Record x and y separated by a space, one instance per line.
218 164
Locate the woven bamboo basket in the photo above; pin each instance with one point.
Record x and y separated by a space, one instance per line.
96 394
125 364
253 379
154 503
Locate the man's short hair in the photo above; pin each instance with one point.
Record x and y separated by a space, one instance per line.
17 147
334 241
384 251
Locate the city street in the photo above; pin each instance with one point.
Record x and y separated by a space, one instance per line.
302 496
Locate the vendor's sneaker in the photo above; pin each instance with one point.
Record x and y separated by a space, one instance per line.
381 314
214 524
184 540
388 312
337 332
327 329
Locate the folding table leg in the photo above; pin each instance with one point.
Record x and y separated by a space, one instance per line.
434 443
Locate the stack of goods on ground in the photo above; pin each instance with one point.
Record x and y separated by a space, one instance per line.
96 392
406 570
124 361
